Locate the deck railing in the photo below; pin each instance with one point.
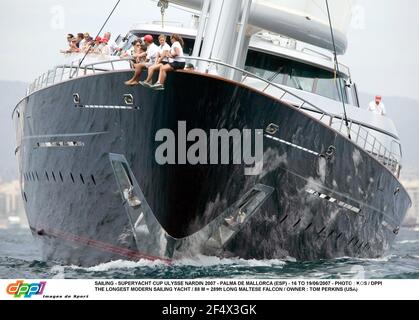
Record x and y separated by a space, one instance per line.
359 133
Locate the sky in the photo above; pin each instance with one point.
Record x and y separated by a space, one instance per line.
383 48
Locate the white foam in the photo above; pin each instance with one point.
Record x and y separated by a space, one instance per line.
122 264
408 241
207 261
198 261
357 158
381 259
59 272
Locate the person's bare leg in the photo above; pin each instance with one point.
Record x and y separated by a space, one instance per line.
138 69
151 71
163 73
136 72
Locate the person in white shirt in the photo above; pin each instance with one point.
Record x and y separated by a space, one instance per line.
162 59
104 49
377 106
176 61
80 38
151 58
113 47
85 43
73 47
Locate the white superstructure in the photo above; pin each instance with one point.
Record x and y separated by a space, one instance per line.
305 20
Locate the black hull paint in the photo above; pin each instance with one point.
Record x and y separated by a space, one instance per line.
74 204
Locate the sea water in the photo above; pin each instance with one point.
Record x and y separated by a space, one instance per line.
20 258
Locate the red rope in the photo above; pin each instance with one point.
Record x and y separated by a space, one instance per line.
103 246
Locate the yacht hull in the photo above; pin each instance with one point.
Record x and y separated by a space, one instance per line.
83 143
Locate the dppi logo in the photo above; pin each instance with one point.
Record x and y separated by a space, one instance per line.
19 289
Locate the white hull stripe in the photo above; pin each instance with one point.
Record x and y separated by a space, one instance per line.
292 145
333 200
60 144
66 135
92 106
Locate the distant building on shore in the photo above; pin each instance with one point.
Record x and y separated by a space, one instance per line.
12 213
412 217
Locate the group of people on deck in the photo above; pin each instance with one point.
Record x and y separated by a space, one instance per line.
84 43
162 58
146 54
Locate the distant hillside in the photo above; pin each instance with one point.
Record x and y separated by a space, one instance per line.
405 114
10 95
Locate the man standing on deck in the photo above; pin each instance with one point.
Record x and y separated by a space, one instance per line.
377 106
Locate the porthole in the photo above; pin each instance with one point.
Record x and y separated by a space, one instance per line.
76 98
128 99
